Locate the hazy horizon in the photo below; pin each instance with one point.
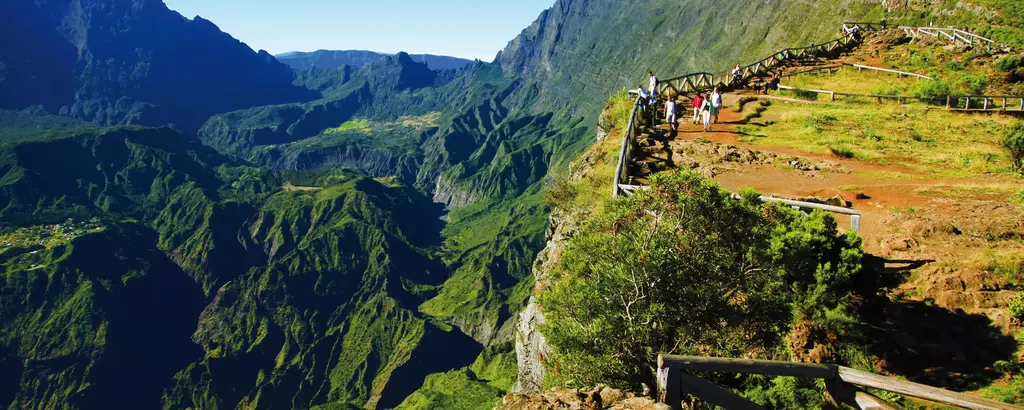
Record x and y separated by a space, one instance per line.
456 28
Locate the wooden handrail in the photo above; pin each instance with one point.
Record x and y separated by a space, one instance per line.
748 366
897 72
921 391
624 151
949 98
837 377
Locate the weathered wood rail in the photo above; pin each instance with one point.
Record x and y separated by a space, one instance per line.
843 385
988 103
859 67
951 34
946 33
705 80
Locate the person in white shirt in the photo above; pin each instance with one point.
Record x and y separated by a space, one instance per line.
716 103
705 112
670 112
654 83
642 92
644 99
737 73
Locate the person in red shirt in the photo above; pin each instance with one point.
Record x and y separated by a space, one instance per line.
697 101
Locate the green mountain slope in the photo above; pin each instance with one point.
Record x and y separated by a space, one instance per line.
310 294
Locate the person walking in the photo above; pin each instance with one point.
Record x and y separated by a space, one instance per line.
670 113
716 103
698 99
705 112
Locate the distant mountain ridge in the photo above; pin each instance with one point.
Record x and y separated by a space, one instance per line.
131 62
334 59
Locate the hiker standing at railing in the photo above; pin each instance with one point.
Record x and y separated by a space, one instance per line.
654 83
644 100
698 100
716 103
737 76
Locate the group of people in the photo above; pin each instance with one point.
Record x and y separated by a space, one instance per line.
705 107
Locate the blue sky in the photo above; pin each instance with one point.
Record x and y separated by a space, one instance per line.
460 28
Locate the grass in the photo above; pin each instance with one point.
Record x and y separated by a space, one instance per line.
929 142
848 80
603 156
987 191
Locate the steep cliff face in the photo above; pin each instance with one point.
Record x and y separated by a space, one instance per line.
583 50
118 62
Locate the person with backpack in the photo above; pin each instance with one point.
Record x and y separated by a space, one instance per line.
716 103
705 112
698 99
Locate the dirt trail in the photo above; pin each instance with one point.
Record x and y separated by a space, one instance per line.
904 221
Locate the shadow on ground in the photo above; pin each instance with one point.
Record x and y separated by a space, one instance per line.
924 342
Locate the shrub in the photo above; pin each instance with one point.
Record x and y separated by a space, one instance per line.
683 267
954 66
842 151
1013 141
1009 63
560 192
933 90
1017 307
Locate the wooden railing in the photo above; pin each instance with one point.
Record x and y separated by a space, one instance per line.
843 385
801 206
705 80
953 102
622 168
859 67
951 34
947 33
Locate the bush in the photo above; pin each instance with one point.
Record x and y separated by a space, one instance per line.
1017 307
1013 141
1009 63
933 90
842 151
684 268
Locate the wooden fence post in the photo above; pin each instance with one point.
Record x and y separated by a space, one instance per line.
855 223
948 98
669 388
1004 103
985 106
967 107
833 94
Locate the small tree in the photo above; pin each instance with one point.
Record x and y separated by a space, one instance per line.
1013 141
682 267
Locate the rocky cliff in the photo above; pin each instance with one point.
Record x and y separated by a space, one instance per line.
138 62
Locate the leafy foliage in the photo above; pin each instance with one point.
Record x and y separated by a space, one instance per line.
1013 141
682 267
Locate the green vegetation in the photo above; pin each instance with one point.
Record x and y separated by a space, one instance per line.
1013 141
1017 307
925 141
684 268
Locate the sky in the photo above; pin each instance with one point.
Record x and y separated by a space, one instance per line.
460 28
